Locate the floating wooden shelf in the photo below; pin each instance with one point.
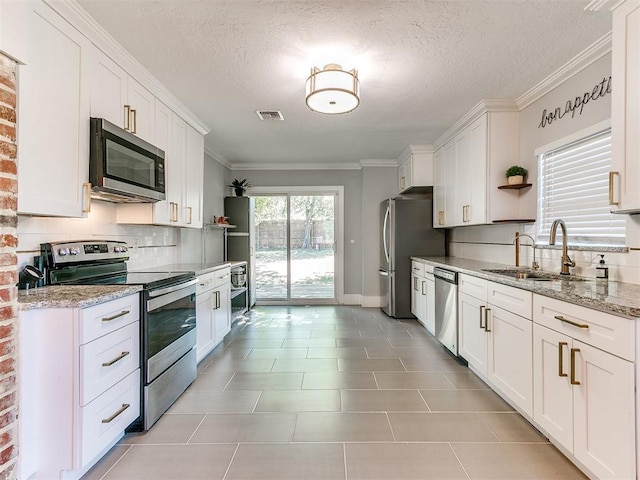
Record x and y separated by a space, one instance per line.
517 186
515 220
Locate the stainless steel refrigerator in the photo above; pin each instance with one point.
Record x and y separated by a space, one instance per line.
406 230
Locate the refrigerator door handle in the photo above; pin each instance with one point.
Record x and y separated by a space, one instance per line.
384 234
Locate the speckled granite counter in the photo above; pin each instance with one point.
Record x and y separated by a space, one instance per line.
621 299
198 268
72 296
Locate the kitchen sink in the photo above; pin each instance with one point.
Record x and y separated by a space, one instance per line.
521 274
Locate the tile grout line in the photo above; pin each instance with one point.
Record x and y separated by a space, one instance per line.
235 452
196 429
115 463
459 461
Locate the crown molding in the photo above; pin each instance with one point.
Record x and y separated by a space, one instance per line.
214 155
585 58
415 149
378 163
296 166
482 107
599 5
71 11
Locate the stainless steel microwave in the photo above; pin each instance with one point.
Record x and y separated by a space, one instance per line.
123 167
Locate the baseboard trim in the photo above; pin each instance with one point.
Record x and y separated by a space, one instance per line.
371 301
351 299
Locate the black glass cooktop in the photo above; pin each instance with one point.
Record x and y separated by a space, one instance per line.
149 280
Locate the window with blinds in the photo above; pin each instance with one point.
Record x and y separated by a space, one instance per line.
573 184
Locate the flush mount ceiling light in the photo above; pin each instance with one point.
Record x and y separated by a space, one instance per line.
333 90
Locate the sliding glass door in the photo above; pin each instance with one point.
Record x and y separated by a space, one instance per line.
295 247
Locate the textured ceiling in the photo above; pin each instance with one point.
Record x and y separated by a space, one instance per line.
422 64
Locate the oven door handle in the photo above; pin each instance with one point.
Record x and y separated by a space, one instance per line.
172 288
172 296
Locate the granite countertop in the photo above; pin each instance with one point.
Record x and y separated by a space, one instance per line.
622 299
72 296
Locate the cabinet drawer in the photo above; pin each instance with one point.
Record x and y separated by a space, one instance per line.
607 332
105 318
205 282
222 276
474 286
107 360
417 268
511 299
103 421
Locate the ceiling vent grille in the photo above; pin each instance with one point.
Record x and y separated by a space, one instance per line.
272 115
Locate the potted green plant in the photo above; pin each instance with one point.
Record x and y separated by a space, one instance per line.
240 186
516 175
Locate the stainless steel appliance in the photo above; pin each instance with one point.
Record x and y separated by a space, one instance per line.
406 231
167 316
447 308
123 167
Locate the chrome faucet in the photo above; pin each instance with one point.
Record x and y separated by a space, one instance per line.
566 261
534 264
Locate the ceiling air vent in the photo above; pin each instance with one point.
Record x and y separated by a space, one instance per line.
273 115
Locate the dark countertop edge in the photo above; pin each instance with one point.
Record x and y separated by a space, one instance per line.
618 308
72 296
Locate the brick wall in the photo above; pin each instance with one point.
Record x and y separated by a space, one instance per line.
8 271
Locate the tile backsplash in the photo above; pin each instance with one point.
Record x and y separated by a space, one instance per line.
148 245
494 243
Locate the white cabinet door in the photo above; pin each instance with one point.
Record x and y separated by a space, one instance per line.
177 159
553 405
163 126
194 178
404 176
461 180
510 358
582 395
415 293
422 302
53 109
625 105
108 89
604 418
142 104
439 206
450 182
476 168
472 332
430 314
205 334
222 313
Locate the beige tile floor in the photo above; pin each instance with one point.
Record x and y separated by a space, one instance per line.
335 392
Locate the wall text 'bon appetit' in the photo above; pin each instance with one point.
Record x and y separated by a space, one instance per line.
572 106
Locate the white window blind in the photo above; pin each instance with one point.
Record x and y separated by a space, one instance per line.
574 186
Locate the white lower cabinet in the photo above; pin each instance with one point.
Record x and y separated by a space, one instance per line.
80 385
213 310
496 342
423 295
584 397
430 313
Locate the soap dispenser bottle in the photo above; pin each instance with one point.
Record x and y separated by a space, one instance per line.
602 271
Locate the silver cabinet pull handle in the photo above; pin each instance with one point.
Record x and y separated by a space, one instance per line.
611 200
113 417
117 315
135 121
87 197
117 359
127 117
571 322
482 307
486 320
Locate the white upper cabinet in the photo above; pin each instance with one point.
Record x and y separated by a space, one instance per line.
625 108
415 168
470 167
120 99
53 125
194 178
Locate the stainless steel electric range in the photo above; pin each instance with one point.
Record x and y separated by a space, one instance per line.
167 316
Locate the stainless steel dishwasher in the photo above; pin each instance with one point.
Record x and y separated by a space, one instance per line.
447 308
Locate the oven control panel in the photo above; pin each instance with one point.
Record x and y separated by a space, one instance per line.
89 251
